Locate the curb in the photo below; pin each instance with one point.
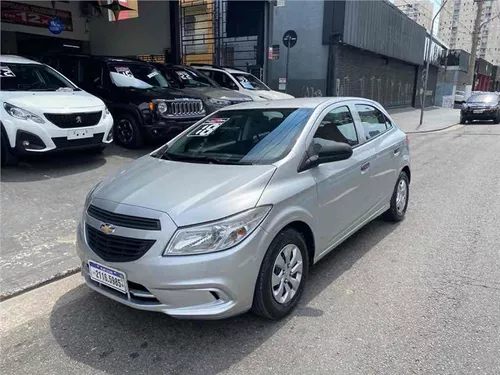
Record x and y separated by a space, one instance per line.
38 284
433 130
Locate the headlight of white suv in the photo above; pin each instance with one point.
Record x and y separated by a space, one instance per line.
22 113
218 235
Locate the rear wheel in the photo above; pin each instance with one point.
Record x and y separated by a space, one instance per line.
399 199
127 132
7 156
282 276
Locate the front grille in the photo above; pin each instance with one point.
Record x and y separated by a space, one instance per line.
74 120
63 142
123 220
115 248
188 107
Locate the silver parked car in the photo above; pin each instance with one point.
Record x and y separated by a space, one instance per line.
229 215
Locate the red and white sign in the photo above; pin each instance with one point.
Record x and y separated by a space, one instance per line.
34 15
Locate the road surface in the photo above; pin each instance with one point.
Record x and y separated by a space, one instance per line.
419 297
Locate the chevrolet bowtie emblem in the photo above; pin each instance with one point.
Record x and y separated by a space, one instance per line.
107 228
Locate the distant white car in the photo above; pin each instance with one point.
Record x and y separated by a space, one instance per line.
459 96
241 81
43 111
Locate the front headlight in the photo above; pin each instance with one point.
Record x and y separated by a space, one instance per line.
464 106
22 113
162 107
219 102
218 235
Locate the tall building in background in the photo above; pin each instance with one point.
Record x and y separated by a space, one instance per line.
457 22
420 11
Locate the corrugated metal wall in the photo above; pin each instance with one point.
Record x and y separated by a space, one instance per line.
362 73
379 27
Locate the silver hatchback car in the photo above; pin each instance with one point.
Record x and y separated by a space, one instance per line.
230 214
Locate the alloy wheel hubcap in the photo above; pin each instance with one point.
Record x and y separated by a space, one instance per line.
401 196
287 274
125 131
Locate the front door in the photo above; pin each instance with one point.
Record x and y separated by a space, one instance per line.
342 186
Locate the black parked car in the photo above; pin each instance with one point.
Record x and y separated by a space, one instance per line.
193 82
138 96
481 106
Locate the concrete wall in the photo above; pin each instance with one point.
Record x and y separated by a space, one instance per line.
147 34
309 57
79 30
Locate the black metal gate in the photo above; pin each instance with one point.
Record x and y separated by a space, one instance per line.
223 33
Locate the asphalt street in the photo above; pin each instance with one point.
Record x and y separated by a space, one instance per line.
419 297
41 202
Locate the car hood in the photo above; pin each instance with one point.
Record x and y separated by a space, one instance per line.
189 193
52 100
216 92
158 93
480 105
272 95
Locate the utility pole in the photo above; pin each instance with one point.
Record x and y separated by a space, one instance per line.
428 57
475 38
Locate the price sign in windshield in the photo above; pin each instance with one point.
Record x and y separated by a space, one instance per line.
208 127
124 70
6 72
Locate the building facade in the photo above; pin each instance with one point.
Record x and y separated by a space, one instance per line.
457 23
420 11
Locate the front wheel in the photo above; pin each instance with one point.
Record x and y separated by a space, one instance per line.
7 157
127 132
282 276
463 120
496 120
399 199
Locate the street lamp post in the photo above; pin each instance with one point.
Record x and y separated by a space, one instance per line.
427 58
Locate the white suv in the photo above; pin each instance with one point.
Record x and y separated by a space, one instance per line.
241 81
43 111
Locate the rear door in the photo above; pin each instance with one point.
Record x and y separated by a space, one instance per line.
342 185
387 143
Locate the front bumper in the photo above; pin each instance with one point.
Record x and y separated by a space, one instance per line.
164 126
206 286
487 114
51 137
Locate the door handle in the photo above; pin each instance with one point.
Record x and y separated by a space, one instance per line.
396 151
365 167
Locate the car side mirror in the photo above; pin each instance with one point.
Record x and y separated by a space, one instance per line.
327 153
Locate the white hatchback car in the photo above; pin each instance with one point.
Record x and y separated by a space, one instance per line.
241 81
43 111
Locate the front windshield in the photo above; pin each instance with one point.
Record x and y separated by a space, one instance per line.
250 82
244 136
189 78
483 98
32 77
139 76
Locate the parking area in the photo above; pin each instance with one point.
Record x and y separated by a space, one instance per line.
42 198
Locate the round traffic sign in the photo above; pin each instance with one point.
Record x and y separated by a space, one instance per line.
290 38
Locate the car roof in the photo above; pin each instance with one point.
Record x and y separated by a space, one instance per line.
104 58
220 68
295 103
13 59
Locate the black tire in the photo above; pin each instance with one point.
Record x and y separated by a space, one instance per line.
463 120
496 120
393 213
127 132
264 302
7 156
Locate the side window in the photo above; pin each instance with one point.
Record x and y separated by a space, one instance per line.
224 80
68 66
91 73
374 122
337 126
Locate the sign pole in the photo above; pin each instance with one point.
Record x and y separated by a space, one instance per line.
287 61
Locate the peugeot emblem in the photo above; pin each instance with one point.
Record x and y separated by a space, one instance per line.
107 228
78 119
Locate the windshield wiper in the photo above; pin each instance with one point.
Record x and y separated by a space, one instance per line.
201 158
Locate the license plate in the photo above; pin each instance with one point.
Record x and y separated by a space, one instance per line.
478 111
108 276
80 133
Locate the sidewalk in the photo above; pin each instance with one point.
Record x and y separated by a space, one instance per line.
435 118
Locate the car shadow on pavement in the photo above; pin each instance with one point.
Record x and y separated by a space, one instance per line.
110 337
42 167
